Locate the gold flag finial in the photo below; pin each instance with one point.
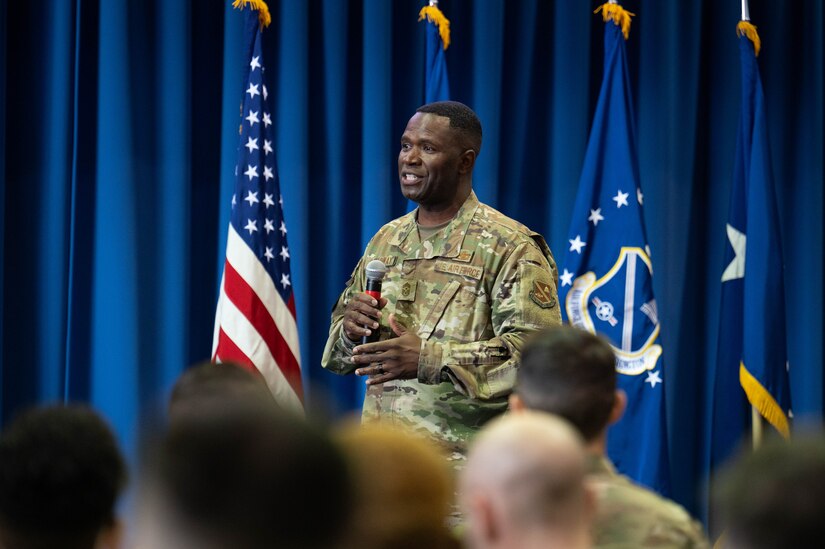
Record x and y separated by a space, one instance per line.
618 14
746 28
263 10
434 16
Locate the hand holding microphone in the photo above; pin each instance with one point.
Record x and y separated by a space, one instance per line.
382 361
364 310
376 270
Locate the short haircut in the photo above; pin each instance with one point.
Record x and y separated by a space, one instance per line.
534 465
206 382
60 476
571 373
244 473
774 497
462 119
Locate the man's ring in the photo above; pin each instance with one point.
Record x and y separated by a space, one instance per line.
380 369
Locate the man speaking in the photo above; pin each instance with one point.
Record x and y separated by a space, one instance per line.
464 286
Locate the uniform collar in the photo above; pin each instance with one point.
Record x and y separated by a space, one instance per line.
446 245
599 464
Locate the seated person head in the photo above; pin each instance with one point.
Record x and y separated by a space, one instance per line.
60 475
524 484
774 497
199 386
402 489
241 473
571 373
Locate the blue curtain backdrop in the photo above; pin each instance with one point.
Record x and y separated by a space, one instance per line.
118 129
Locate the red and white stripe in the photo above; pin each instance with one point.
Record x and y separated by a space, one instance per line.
254 326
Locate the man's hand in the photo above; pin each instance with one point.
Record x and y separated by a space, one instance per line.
395 358
361 316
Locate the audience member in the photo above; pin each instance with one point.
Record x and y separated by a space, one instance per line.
233 471
206 382
524 486
403 490
60 475
774 497
571 373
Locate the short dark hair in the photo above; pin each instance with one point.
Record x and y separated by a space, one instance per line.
462 118
227 471
774 497
206 382
60 475
571 373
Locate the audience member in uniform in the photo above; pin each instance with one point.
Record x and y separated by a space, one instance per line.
524 485
571 373
60 475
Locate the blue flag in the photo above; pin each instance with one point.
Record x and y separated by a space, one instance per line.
436 83
606 280
751 365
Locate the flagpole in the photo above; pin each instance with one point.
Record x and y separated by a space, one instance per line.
756 417
756 427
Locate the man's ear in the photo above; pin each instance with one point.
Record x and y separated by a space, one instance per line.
516 404
619 406
466 161
486 524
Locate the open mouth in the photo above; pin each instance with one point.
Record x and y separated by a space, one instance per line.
410 178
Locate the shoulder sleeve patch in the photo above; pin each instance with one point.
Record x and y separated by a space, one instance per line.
542 295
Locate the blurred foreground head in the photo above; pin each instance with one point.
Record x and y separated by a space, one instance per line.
775 497
524 484
208 384
233 471
60 476
403 489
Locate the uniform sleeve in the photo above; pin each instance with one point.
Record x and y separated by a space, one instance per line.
524 300
337 355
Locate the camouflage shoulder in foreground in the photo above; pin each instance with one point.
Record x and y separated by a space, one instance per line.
631 516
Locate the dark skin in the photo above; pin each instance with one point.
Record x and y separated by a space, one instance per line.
435 166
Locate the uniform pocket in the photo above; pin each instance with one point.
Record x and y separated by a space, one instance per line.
427 327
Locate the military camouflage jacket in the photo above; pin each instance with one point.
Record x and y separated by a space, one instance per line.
473 292
630 516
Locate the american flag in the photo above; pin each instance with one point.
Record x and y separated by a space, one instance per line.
255 319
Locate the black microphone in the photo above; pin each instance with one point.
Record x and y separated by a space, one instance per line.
375 274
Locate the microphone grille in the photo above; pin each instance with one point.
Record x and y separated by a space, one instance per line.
376 270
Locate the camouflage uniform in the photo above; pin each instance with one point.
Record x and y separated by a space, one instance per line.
472 292
629 515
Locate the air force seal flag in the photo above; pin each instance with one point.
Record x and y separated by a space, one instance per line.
607 277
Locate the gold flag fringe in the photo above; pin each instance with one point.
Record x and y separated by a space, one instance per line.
434 15
763 401
263 10
746 28
618 14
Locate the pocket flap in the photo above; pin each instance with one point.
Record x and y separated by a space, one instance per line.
426 328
